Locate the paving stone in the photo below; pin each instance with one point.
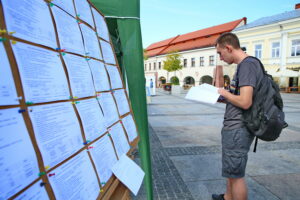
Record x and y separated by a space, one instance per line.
285 186
186 153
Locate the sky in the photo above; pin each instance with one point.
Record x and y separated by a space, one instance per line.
163 19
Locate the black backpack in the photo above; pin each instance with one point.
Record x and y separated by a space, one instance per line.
265 117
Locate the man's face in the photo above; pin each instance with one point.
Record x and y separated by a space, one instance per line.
225 53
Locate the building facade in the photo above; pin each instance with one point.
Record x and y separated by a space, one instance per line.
274 39
198 55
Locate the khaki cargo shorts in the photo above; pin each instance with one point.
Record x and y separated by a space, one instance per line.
235 147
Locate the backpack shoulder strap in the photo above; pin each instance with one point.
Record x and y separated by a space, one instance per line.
260 63
255 144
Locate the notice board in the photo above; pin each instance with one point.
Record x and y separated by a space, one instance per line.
65 116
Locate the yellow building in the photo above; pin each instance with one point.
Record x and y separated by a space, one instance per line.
276 41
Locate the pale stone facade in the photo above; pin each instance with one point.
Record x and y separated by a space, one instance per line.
276 43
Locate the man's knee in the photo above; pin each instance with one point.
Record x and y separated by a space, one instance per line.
236 180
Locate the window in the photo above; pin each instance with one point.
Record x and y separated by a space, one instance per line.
154 66
145 67
257 52
201 61
149 66
159 65
211 60
295 48
275 49
184 62
193 62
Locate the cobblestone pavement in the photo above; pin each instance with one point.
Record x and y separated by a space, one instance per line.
185 152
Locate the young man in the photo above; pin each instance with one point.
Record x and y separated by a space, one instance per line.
236 139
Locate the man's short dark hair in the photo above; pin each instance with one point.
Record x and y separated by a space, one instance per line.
228 39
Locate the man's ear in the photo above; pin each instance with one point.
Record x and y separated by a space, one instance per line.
229 48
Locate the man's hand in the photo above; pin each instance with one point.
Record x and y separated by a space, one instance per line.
223 92
244 100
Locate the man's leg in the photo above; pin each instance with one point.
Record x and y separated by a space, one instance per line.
238 188
228 194
235 146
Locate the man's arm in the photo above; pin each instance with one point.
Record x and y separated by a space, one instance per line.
244 100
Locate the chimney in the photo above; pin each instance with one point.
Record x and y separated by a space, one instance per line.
297 6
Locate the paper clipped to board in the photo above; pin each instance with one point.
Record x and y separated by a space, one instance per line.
205 93
129 173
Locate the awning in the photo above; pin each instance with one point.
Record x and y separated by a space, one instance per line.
285 73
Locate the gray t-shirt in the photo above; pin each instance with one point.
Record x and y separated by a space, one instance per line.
250 73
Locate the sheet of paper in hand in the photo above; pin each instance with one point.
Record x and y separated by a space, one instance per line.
205 93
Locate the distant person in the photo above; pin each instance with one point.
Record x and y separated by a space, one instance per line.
148 92
236 139
151 87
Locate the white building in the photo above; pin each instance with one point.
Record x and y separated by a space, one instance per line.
274 39
198 55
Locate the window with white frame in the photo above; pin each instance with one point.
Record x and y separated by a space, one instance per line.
201 61
149 66
159 65
145 67
184 62
154 66
193 62
295 48
258 50
275 49
211 60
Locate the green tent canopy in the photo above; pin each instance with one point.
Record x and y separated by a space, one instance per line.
123 20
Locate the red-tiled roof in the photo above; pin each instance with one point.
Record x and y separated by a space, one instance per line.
162 43
193 40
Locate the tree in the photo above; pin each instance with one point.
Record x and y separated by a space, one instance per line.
173 62
145 54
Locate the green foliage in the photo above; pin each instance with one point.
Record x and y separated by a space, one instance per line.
175 80
173 62
145 54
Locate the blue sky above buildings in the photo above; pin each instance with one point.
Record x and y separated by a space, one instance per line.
162 19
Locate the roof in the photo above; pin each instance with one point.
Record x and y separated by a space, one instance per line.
193 40
271 19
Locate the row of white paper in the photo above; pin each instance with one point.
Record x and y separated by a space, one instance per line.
44 79
34 24
58 135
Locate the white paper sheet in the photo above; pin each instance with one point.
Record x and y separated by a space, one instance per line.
75 179
8 93
35 192
109 108
42 74
129 173
18 162
122 101
80 76
84 11
30 20
93 121
101 26
130 127
107 52
57 131
91 43
119 139
69 34
66 5
114 76
205 93
104 157
100 76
